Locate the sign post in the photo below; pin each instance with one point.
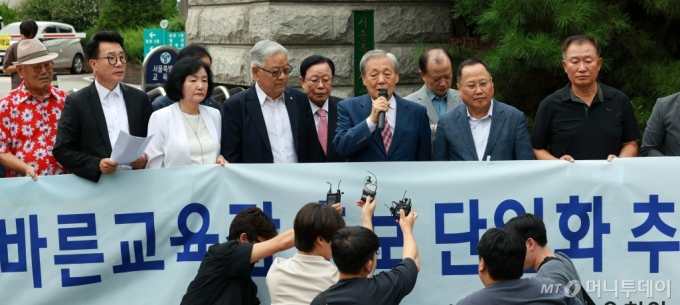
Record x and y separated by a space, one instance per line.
154 38
156 67
177 39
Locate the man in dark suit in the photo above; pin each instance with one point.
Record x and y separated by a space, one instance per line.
93 117
662 135
269 122
406 133
316 79
482 128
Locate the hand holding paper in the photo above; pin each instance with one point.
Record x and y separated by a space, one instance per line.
129 148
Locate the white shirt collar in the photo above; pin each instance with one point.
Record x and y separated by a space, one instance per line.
103 92
315 107
261 96
488 114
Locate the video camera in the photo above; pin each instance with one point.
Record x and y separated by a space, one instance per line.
370 187
333 198
404 203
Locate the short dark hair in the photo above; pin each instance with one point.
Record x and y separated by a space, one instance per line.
579 40
315 220
313 60
183 68
254 223
503 253
92 46
352 247
28 28
528 226
469 62
194 50
422 62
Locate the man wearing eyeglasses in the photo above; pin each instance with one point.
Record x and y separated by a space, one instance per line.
269 122
316 78
94 117
482 128
29 115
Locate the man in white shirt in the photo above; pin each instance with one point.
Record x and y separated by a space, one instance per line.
299 279
93 117
482 128
269 122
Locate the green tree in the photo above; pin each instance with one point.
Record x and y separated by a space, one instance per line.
521 42
81 14
122 14
7 13
38 10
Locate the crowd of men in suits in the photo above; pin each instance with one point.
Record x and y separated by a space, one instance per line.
273 123
44 131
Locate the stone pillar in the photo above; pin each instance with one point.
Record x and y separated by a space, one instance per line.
229 28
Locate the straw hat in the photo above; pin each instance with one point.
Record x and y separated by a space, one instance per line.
32 51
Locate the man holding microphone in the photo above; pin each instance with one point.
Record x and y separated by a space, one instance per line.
405 133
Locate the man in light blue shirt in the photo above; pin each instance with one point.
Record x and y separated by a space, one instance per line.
436 95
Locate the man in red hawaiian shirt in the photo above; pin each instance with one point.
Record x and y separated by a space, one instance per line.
29 115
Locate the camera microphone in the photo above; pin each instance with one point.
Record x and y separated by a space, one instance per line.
381 116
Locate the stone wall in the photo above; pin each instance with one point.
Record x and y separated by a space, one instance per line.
230 28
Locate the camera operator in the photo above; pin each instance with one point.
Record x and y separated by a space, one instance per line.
299 279
355 253
224 274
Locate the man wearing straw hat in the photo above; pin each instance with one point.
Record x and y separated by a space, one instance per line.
29 115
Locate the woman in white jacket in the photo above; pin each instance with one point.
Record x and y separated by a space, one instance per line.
186 133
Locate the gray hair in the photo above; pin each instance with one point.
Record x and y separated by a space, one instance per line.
263 50
376 53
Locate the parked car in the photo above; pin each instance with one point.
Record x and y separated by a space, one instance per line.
70 50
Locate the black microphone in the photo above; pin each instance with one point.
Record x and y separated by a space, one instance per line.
381 116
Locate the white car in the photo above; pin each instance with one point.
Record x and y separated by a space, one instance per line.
70 50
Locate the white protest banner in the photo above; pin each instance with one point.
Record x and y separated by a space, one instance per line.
137 237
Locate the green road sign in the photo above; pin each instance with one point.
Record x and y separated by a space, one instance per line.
154 38
177 39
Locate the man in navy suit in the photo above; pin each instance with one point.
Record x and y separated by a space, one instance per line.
269 122
406 135
316 78
482 128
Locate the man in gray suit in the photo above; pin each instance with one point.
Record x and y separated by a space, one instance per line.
436 69
483 128
662 135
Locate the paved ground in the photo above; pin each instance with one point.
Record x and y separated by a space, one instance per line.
66 82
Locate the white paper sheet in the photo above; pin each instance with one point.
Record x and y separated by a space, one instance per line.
129 148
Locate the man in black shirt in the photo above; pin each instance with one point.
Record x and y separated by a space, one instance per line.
354 251
224 275
585 120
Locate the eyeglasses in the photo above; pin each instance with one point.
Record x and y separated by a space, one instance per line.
276 73
324 81
37 68
482 84
114 60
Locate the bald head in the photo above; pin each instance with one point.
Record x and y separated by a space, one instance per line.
436 70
